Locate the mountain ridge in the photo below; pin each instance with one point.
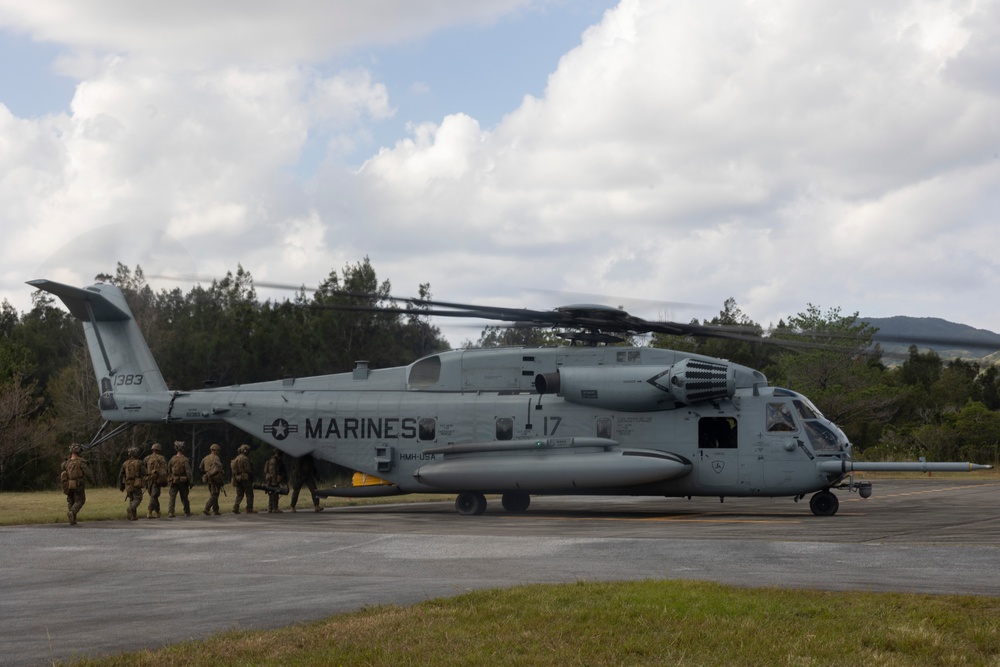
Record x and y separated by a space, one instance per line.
948 339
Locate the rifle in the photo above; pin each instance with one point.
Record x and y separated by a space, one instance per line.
267 488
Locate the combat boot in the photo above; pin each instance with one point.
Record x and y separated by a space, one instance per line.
207 513
251 511
292 508
170 515
157 513
71 517
189 513
149 514
236 510
215 512
317 508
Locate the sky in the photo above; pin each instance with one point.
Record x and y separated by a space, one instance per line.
663 155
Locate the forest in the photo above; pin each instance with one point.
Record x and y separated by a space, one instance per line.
223 334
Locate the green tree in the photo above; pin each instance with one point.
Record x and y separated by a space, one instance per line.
25 437
832 363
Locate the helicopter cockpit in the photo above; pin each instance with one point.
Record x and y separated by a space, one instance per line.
824 437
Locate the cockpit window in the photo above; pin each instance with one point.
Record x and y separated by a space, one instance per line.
821 437
779 418
807 410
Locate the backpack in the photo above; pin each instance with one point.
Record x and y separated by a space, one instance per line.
133 475
156 470
71 478
178 470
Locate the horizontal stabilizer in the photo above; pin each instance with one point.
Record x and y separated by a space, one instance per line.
78 299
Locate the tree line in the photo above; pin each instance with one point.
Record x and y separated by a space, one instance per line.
223 334
220 334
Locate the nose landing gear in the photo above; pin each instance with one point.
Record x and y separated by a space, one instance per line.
824 503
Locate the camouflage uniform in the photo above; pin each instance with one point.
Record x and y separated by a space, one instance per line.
215 477
242 471
179 479
73 480
305 474
156 479
275 476
130 480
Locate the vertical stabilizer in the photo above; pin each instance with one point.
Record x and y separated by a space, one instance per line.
124 366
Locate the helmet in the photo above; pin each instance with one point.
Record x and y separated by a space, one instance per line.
178 445
75 448
156 447
133 451
244 448
215 447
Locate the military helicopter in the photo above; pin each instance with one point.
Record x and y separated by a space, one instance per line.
586 419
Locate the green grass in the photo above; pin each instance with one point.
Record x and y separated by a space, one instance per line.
636 623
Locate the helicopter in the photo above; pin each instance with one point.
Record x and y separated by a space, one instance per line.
587 419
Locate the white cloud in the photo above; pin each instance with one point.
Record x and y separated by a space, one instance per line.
191 32
719 145
781 153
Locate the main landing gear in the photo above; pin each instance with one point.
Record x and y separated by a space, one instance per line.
473 503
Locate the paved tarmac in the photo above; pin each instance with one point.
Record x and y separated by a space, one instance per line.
106 587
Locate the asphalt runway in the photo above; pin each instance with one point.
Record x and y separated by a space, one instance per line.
105 587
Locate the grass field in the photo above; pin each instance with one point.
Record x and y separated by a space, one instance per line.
637 623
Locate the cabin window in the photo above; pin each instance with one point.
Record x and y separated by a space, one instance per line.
779 418
427 428
717 433
604 427
505 428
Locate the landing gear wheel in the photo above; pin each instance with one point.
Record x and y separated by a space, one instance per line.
470 503
824 503
515 502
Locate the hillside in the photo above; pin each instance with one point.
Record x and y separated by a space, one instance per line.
949 339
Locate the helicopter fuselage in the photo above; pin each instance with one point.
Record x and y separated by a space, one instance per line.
513 421
750 440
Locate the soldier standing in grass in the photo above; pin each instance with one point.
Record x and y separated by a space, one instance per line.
73 480
130 480
215 477
156 479
276 477
305 474
242 471
179 479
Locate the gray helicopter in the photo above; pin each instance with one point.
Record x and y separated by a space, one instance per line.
588 420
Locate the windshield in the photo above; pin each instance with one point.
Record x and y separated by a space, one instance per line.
824 437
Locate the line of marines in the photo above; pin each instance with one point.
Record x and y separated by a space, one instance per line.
153 472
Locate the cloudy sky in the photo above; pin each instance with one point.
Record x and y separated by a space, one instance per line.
515 152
